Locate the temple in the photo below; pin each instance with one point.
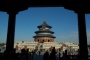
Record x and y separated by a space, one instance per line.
80 7
44 34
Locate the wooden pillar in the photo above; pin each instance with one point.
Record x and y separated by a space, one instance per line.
10 32
82 36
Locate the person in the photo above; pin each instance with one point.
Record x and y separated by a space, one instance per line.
60 54
52 55
17 52
25 53
46 56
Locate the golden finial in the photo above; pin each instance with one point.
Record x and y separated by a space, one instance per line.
44 20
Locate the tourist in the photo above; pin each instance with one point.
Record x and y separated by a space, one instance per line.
52 54
25 53
46 55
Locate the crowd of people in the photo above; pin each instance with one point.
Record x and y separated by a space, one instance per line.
51 54
25 54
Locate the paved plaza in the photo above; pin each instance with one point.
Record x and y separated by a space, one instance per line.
38 57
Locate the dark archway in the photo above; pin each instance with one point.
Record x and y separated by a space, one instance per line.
48 40
43 41
12 8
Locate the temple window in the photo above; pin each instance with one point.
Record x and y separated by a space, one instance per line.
42 41
48 40
38 40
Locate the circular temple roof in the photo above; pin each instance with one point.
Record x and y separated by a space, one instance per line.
44 25
44 31
43 35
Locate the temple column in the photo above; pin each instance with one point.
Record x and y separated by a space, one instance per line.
82 36
10 32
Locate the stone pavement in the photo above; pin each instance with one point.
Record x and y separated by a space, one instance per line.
39 57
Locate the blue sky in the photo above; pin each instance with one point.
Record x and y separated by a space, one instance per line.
64 24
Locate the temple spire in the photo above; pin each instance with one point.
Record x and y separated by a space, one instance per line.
44 24
44 19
